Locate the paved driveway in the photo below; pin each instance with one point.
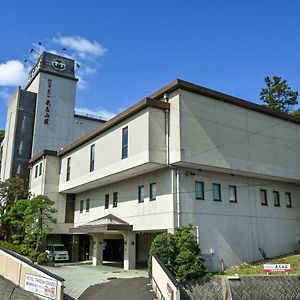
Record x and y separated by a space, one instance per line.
78 278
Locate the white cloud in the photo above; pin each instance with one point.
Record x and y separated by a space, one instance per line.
12 73
99 112
82 46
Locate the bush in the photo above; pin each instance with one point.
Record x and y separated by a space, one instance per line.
180 253
42 258
12 247
33 255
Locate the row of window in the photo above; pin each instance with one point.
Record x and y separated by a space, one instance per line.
92 153
276 198
216 188
232 192
38 170
141 197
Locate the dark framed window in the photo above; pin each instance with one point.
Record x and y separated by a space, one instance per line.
81 206
263 197
141 193
152 191
125 142
115 199
87 205
217 192
40 169
232 193
68 169
70 208
106 203
288 199
276 198
36 171
199 190
92 158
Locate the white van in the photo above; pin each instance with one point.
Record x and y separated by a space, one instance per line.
57 252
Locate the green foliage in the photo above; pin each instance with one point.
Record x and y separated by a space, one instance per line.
12 247
296 113
42 258
180 253
278 94
2 134
38 220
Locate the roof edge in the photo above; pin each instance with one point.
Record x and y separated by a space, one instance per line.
194 88
40 155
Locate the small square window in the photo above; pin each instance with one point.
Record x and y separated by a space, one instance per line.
106 204
217 192
232 193
115 199
152 191
263 197
141 193
81 206
199 190
276 198
87 205
288 199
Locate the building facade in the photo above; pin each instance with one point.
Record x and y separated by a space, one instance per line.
184 155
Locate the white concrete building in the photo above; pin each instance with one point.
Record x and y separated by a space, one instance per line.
186 154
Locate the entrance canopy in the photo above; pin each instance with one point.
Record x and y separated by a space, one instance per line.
104 224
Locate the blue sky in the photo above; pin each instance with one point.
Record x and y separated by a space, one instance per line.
129 49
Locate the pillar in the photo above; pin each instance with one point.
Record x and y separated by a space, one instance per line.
129 250
97 249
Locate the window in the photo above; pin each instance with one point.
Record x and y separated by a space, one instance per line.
232 193
70 208
288 199
87 205
276 198
115 199
36 171
263 197
141 194
81 206
92 158
68 169
152 191
199 190
217 191
125 142
40 169
106 204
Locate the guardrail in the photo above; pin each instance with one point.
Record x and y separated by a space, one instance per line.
30 277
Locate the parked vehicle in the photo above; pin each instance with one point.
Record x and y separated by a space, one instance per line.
57 252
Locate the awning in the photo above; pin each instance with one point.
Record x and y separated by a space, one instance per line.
104 224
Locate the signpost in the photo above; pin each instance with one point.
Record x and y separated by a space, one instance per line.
40 285
268 268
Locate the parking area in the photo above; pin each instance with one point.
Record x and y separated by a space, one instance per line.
80 277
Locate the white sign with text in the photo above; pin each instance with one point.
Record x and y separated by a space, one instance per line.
277 268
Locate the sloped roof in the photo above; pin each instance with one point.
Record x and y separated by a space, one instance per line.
103 224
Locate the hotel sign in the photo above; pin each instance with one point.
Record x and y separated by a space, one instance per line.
277 268
41 286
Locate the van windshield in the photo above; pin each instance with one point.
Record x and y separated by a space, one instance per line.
59 248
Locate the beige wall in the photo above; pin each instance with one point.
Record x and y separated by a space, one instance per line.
220 135
108 147
150 215
236 231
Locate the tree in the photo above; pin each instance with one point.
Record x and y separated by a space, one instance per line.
38 220
180 253
13 221
12 190
278 94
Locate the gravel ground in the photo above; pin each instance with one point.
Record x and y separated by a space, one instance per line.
120 289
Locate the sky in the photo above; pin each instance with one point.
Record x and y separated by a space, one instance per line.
129 49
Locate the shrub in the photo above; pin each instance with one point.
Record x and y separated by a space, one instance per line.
42 258
179 252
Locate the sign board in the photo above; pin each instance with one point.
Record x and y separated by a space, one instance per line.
277 268
41 286
170 292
